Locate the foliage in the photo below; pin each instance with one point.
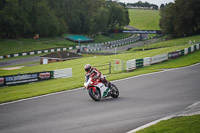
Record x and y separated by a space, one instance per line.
25 18
181 18
140 4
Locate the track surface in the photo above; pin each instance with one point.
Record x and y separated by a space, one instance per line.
142 99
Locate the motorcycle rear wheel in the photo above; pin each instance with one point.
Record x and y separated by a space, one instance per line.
96 96
114 91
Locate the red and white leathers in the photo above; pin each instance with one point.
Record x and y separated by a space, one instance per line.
94 73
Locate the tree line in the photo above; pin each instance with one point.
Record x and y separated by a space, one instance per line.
141 4
25 18
181 18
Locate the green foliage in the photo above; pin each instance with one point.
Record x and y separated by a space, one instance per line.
25 18
118 16
181 18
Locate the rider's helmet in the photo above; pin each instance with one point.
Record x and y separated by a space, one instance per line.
87 67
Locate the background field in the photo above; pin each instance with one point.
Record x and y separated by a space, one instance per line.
144 19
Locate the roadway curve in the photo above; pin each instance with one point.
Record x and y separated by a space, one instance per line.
142 99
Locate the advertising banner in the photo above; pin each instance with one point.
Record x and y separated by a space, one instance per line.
174 54
19 79
25 78
2 81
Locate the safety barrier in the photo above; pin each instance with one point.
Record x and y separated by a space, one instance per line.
137 63
34 77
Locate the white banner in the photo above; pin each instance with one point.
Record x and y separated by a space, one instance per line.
192 48
159 58
131 65
63 73
185 51
147 61
197 45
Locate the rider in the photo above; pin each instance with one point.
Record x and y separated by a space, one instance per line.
91 71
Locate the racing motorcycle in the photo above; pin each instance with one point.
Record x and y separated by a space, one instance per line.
98 90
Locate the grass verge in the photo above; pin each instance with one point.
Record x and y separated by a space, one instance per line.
188 124
12 93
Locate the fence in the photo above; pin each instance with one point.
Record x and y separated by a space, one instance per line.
105 67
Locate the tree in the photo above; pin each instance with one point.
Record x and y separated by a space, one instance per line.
181 18
117 16
13 20
100 20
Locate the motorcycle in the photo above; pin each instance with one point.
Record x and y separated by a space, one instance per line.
98 90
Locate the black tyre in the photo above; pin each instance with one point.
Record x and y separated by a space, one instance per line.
114 91
96 96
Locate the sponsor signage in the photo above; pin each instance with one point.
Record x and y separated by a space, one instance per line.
18 79
137 31
25 78
1 81
174 54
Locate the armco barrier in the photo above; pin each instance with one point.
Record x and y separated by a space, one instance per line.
139 63
185 51
136 63
159 58
131 65
174 54
147 61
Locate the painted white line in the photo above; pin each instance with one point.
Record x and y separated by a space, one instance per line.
150 124
41 96
167 118
82 87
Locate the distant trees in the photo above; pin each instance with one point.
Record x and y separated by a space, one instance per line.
140 4
181 18
25 18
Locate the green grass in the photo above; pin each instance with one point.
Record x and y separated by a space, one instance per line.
170 43
144 19
189 124
34 89
9 46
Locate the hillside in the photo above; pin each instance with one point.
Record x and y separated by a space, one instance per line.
144 19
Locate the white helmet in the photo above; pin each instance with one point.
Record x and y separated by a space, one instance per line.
87 67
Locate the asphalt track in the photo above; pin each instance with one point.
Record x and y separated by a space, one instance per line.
142 99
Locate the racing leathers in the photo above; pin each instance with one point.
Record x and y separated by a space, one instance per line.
96 74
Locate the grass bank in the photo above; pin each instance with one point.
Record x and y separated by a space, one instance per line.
12 93
12 46
144 19
189 124
170 43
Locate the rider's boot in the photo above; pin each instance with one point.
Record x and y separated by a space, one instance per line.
106 83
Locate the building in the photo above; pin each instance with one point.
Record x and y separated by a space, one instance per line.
58 56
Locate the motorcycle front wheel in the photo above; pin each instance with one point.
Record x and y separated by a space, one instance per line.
114 91
96 96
